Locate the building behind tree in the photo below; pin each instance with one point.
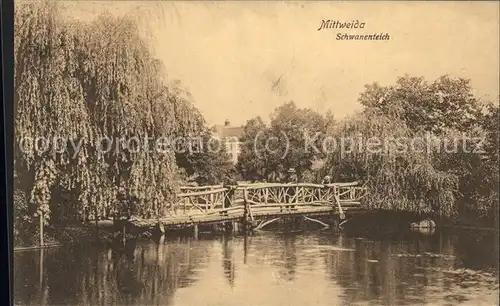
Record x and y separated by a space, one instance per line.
230 136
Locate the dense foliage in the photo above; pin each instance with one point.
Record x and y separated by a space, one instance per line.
399 177
444 105
426 148
288 142
466 127
206 161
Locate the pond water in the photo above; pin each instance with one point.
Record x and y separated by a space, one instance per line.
319 268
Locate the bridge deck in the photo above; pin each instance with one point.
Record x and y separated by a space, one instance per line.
237 213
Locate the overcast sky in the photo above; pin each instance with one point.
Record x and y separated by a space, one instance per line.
229 54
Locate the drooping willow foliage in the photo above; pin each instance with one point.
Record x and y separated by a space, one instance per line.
474 160
448 109
378 151
93 84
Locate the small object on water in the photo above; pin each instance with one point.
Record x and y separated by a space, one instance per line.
372 260
425 227
426 223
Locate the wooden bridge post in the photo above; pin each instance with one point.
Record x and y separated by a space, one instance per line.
228 226
229 196
246 211
195 231
211 200
297 195
335 222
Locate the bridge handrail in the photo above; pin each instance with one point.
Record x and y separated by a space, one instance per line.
213 189
200 187
346 184
200 193
277 185
267 185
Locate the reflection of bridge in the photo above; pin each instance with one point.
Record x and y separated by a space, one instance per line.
263 202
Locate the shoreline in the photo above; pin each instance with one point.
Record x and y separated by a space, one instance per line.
84 235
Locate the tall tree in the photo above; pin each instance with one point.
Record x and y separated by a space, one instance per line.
205 160
294 139
97 88
254 161
443 105
375 150
447 110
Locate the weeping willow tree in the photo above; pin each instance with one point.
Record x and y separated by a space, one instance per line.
97 87
201 158
378 150
448 108
49 103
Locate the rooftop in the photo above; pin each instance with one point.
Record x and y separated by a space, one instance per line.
226 130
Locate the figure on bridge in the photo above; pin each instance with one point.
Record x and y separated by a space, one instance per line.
291 179
326 180
231 184
292 176
276 175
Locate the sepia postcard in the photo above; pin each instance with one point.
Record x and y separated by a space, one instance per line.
258 153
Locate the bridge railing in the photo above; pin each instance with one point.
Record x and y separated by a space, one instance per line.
301 193
216 198
186 189
203 201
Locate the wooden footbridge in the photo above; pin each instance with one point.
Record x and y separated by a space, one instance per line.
260 204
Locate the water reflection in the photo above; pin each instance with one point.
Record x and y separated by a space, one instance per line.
266 269
228 260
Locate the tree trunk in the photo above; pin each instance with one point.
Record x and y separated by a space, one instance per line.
41 228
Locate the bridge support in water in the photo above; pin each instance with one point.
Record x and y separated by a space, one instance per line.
334 221
296 223
195 231
316 221
343 222
265 222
